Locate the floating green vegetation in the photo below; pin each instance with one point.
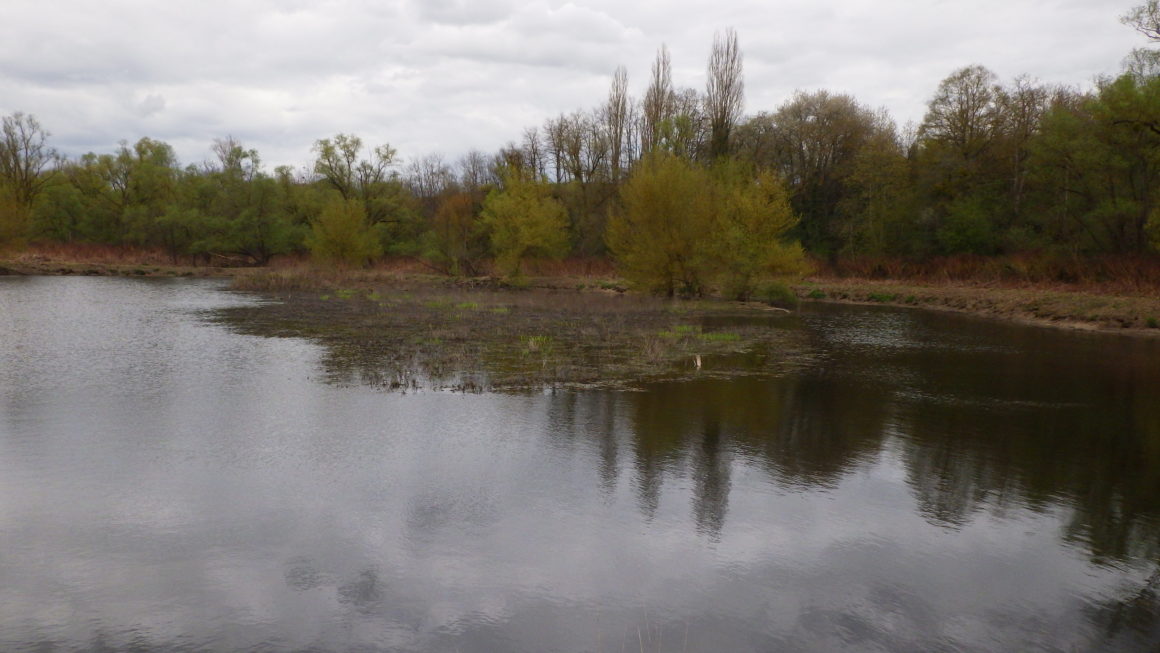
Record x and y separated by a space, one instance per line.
527 340
720 336
680 331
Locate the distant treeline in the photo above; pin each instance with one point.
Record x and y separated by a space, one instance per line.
680 187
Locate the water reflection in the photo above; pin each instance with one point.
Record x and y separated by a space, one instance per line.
931 482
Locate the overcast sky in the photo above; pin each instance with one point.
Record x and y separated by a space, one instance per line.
447 76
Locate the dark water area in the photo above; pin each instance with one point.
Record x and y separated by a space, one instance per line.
927 482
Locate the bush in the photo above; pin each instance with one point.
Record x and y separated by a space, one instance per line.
341 235
780 295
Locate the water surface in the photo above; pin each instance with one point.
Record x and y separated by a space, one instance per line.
927 482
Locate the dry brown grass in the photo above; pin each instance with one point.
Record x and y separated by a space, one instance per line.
1137 311
1121 274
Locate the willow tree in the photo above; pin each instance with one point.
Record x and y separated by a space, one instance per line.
752 219
341 235
661 238
523 219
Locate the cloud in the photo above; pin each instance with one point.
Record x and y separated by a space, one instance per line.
451 75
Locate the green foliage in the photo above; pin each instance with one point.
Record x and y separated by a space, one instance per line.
751 217
522 220
781 295
457 238
15 219
661 237
341 235
1099 161
966 228
683 227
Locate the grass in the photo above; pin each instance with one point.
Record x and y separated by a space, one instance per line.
721 336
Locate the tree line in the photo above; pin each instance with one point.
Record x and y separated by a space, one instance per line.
679 186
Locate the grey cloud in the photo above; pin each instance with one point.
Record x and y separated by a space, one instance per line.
449 75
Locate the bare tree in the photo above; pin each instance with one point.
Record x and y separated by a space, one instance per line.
234 159
963 112
533 146
658 102
473 171
725 91
428 176
1145 19
24 156
616 114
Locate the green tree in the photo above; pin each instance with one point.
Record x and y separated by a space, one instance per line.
372 180
752 219
1098 160
661 236
880 203
457 239
962 184
523 219
342 236
813 140
15 219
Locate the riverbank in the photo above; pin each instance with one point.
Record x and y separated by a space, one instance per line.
1090 308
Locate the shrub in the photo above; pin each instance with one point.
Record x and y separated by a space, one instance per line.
341 236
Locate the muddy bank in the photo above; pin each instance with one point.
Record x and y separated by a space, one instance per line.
1067 308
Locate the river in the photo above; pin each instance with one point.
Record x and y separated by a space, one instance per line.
927 482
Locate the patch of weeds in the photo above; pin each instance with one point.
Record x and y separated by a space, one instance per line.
467 306
325 298
437 304
680 331
345 293
720 336
374 296
1153 323
816 294
881 297
911 299
499 310
537 343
